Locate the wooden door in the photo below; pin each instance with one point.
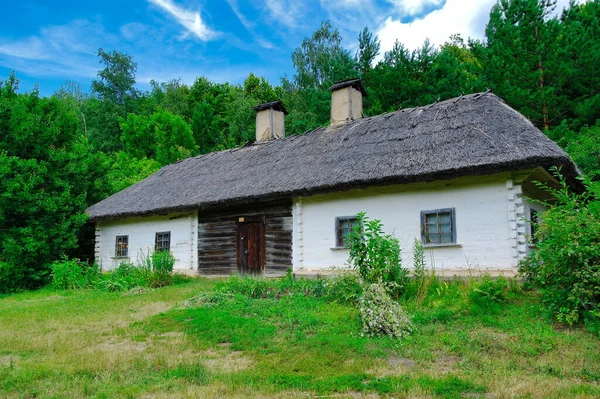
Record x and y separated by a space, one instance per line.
251 247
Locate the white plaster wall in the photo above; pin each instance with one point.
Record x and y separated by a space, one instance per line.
346 103
482 223
141 232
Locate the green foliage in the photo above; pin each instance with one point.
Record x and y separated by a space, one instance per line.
72 274
419 260
165 137
152 270
381 315
584 149
125 277
116 81
171 96
368 50
114 97
59 155
487 292
253 287
540 64
321 60
344 287
14 278
162 268
47 174
522 33
566 265
258 88
376 256
293 346
422 278
126 170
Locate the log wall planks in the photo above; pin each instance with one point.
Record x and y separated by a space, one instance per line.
217 239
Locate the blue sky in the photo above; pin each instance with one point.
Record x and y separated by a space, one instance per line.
51 42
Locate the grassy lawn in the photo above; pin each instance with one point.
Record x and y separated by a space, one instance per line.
155 344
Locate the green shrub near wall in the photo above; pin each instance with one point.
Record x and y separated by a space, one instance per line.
566 264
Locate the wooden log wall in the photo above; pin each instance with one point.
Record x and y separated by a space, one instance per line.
217 239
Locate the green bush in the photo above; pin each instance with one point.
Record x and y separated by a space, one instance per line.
376 255
13 279
151 270
486 293
344 287
422 278
381 315
71 274
566 265
125 277
162 268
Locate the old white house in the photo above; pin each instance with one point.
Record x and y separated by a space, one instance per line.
455 174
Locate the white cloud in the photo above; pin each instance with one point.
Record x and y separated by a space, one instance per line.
190 20
286 12
249 25
413 7
133 30
466 17
57 50
351 16
236 10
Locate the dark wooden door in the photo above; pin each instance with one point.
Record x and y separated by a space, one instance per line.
251 247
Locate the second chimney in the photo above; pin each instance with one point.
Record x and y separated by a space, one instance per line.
269 121
346 101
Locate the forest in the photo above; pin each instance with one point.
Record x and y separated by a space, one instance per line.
63 153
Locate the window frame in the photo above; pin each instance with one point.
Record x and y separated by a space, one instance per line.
162 233
120 248
424 234
534 222
339 239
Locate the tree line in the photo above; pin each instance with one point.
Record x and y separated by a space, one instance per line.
60 154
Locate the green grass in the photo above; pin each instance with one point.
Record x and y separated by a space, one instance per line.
158 344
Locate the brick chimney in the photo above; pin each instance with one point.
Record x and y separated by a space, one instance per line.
269 121
346 101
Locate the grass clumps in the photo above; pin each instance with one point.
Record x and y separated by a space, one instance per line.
68 274
344 286
271 288
152 271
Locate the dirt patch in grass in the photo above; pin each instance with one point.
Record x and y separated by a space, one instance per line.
535 387
113 345
393 366
444 364
490 339
230 362
472 395
9 360
151 309
352 394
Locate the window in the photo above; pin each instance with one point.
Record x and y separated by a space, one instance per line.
163 241
534 221
343 227
121 246
438 226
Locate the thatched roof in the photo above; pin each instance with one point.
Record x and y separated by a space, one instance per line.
355 83
276 105
470 135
